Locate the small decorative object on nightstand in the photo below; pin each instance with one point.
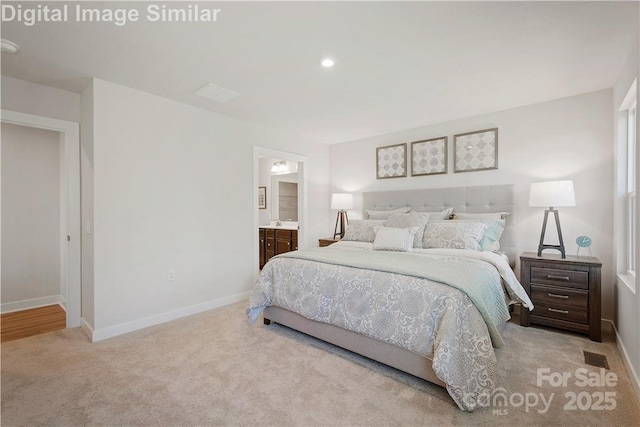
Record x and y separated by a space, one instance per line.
583 242
565 292
327 241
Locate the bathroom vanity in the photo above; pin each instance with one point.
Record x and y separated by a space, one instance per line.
276 240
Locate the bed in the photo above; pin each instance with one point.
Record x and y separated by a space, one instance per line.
434 312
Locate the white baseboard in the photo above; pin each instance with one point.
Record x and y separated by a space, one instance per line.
86 328
134 325
27 304
606 325
633 375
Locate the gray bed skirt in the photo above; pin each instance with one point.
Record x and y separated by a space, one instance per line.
379 351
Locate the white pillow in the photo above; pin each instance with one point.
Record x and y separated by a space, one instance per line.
394 239
454 235
410 219
371 214
495 216
362 230
444 214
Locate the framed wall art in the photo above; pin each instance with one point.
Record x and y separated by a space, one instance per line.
262 197
429 156
391 161
476 151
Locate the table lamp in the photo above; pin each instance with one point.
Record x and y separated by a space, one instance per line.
552 194
341 202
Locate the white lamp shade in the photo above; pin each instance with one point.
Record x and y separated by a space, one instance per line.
341 201
552 194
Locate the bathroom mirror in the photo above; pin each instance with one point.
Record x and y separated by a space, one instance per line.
284 197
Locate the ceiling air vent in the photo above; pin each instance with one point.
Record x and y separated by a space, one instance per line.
216 93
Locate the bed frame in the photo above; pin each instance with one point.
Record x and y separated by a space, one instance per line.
478 199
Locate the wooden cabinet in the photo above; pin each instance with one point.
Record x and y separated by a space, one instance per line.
286 240
327 241
565 292
269 244
261 234
274 241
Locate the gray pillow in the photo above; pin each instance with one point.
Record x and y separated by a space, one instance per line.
410 219
454 235
362 230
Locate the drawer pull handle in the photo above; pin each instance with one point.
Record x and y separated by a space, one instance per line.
555 310
558 296
551 276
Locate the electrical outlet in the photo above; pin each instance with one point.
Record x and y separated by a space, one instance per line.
171 275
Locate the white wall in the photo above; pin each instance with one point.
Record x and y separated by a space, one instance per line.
627 316
30 217
563 139
39 100
86 190
163 200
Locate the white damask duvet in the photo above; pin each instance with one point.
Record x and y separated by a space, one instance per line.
403 306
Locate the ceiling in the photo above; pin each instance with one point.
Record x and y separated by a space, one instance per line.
398 65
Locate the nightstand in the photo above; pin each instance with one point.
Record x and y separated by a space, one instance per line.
565 292
327 241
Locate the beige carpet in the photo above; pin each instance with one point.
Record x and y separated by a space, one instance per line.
216 369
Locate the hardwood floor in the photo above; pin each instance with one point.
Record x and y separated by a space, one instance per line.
25 323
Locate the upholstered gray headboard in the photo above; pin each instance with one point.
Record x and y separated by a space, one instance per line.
476 199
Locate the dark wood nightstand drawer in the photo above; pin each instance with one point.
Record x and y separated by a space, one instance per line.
551 296
561 312
560 277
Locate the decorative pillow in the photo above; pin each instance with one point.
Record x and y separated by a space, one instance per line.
362 230
410 219
444 214
454 235
491 239
481 216
371 214
394 239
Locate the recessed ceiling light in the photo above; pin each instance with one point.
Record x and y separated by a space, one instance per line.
9 47
328 62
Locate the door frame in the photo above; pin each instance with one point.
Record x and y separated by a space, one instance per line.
70 251
302 198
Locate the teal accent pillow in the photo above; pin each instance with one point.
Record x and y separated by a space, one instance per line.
491 239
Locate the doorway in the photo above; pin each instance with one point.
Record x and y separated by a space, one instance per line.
289 206
68 233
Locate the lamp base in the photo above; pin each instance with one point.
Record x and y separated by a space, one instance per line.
341 224
556 247
542 246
